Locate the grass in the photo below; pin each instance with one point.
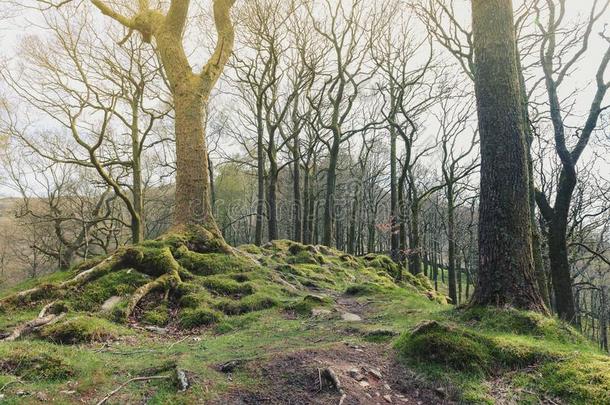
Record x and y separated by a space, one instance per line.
230 309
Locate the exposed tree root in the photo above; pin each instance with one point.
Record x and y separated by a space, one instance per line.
157 259
168 281
43 319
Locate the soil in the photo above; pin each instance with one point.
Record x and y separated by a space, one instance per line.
296 379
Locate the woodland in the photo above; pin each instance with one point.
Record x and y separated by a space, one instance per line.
304 202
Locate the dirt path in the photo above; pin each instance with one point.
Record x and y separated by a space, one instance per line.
366 374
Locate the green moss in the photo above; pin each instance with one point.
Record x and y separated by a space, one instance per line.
214 263
514 321
34 365
252 249
226 286
577 380
194 317
251 303
449 346
80 329
362 289
93 294
158 316
153 261
382 262
306 305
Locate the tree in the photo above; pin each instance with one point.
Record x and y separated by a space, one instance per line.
190 91
506 267
558 55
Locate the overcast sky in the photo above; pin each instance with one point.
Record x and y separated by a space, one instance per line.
12 32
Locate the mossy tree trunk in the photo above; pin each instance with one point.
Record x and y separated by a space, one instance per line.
506 268
190 91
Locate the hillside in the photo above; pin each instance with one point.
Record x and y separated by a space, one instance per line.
282 324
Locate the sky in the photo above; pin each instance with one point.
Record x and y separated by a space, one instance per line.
13 30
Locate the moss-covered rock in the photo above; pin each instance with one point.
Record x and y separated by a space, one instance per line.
195 317
515 321
80 329
305 305
465 350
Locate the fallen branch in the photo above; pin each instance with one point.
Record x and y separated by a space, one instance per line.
126 383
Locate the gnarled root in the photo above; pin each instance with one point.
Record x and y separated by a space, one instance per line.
168 281
43 319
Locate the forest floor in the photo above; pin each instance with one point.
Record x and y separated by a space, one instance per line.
309 326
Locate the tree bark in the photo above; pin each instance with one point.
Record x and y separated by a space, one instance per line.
506 268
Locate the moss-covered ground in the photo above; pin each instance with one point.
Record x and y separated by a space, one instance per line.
270 301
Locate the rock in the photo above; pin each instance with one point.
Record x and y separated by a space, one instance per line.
355 374
387 398
347 316
110 303
229 366
387 387
156 329
320 312
375 373
364 384
67 392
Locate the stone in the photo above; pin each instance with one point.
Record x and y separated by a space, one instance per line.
110 303
320 312
349 317
355 374
387 398
375 373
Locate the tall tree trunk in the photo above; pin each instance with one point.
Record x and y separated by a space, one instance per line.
506 268
451 243
329 202
394 214
260 178
272 226
297 205
193 203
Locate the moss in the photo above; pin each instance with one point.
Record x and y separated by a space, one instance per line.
577 380
42 292
305 257
306 305
467 351
214 263
35 365
153 261
80 329
451 347
240 277
510 320
382 262
118 313
93 294
362 289
194 317
227 286
251 303
158 316
252 249
379 335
